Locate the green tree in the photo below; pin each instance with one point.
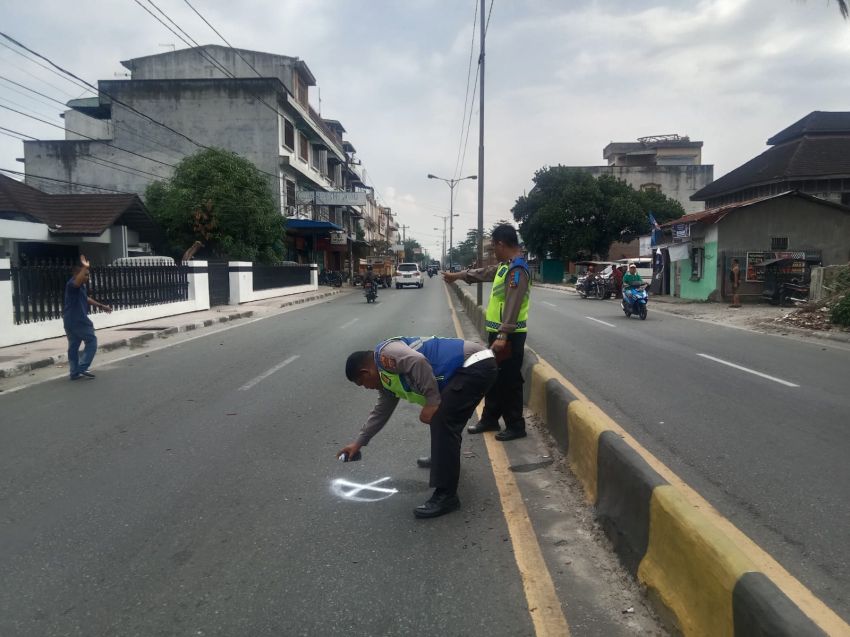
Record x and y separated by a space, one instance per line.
221 199
409 256
570 214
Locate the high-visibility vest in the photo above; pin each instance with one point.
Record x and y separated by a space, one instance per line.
493 318
445 355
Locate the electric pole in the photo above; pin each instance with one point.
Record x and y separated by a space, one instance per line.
403 233
478 293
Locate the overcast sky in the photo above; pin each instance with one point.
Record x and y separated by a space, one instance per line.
563 78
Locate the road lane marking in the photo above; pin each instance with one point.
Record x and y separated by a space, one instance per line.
549 304
268 373
598 321
748 370
348 324
543 603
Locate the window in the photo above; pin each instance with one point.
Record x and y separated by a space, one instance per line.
300 89
303 147
650 187
290 197
288 134
779 243
697 257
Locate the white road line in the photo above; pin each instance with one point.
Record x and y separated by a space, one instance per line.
598 321
549 304
351 322
268 373
749 371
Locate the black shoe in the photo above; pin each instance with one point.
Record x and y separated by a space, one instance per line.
481 426
439 504
424 462
75 377
510 434
87 374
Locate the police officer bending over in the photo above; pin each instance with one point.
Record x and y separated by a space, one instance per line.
447 377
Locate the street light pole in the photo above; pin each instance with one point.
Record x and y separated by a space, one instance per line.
451 183
478 293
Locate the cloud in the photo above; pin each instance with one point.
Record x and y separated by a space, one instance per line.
563 79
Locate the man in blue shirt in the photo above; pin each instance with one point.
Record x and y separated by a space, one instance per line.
78 325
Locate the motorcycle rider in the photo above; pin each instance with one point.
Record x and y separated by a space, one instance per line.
370 279
631 280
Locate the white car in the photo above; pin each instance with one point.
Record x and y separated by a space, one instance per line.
408 274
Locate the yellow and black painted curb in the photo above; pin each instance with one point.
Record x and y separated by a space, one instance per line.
695 567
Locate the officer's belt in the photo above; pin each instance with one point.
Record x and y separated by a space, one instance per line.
477 357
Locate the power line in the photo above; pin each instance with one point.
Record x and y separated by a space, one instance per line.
37 63
64 181
94 139
125 129
99 160
33 75
466 92
101 91
241 57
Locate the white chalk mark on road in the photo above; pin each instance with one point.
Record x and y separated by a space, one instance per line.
268 373
749 371
351 490
348 324
549 304
598 321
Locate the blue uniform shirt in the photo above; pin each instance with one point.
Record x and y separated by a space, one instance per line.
76 307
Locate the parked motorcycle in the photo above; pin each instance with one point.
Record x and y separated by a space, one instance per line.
634 301
370 292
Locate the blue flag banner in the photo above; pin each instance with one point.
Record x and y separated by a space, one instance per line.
654 222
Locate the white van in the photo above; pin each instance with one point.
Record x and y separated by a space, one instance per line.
644 266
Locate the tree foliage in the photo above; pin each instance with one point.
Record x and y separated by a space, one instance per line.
221 199
570 214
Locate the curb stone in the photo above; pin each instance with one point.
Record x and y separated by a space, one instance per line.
701 581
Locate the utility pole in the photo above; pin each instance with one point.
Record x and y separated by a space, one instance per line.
451 183
443 217
403 233
478 292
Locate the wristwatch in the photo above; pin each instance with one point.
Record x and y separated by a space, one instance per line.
501 336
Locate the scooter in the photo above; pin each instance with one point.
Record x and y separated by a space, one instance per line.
369 291
634 301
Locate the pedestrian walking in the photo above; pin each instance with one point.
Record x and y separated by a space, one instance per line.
507 328
78 326
447 377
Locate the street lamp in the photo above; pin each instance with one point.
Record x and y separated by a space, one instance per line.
451 183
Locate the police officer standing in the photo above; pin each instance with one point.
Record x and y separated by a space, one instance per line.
507 328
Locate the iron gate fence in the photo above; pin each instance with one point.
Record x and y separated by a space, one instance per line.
38 291
267 277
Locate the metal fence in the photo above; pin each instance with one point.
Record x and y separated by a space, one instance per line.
267 277
38 291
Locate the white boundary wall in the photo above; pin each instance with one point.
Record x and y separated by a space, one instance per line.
242 284
11 334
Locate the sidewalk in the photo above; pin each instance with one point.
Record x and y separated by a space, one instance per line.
21 359
756 317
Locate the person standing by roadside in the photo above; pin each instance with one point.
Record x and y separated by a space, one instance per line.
507 329
735 280
78 325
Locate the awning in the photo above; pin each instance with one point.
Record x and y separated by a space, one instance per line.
309 224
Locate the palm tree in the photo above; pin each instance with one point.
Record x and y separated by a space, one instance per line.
842 6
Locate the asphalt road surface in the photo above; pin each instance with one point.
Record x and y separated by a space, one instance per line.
758 424
194 490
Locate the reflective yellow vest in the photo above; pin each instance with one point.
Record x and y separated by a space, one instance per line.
493 318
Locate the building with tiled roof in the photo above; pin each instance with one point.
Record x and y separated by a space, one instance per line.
811 156
37 225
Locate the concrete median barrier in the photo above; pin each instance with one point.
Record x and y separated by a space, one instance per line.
702 578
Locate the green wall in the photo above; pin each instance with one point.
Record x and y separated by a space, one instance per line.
701 289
